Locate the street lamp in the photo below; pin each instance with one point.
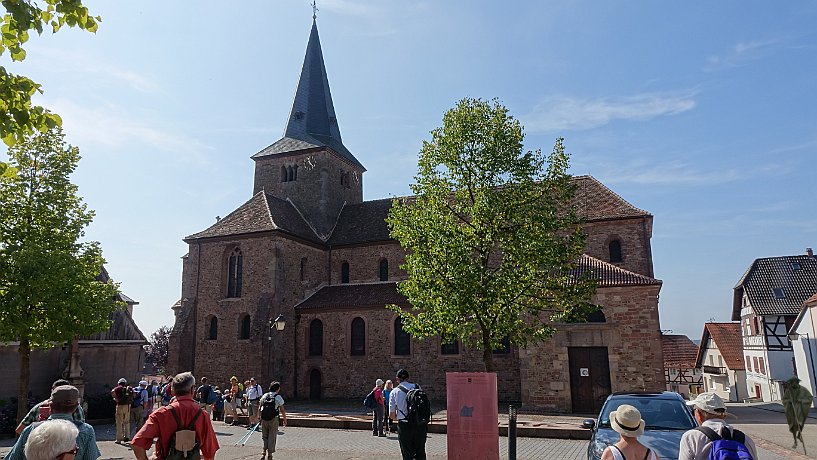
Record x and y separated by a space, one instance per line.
277 324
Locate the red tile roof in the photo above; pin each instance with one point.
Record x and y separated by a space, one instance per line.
728 339
679 352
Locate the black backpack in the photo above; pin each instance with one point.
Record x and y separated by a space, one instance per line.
268 409
418 405
125 395
369 402
186 447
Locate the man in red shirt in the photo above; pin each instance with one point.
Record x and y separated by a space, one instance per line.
162 425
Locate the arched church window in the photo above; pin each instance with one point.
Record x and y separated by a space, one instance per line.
316 338
244 330
384 270
295 172
344 272
283 173
290 174
235 273
402 340
615 251
358 337
452 348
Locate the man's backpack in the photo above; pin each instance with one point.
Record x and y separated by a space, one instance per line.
728 445
268 409
369 402
138 397
417 404
125 395
184 444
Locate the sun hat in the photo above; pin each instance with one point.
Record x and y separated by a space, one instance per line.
66 395
626 420
709 402
122 381
379 382
143 383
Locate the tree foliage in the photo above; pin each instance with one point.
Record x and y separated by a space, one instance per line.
18 117
158 347
49 292
492 242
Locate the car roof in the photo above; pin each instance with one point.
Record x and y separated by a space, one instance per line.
646 394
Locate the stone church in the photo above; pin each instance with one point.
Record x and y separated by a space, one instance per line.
308 247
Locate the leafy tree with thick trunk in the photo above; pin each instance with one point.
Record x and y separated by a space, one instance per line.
157 348
49 293
492 243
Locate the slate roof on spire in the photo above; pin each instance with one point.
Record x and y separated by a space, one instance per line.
312 122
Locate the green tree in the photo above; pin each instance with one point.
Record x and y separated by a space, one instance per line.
18 117
492 243
158 346
49 293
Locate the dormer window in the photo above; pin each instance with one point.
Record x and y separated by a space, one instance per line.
779 293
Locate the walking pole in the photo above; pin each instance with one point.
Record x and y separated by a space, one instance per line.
246 437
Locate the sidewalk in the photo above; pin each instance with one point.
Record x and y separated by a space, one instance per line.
351 415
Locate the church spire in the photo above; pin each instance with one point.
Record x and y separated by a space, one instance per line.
312 118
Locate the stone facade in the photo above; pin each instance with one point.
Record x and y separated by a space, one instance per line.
311 249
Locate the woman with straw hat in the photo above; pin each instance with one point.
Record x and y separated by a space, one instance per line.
626 421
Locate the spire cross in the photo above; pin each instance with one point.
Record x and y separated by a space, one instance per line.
314 10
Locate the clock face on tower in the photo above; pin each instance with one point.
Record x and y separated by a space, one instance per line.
309 162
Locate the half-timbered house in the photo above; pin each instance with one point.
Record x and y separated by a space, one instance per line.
680 370
766 301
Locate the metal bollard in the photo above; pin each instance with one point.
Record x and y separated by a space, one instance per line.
511 433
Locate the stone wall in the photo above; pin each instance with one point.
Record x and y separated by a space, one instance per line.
325 181
631 333
634 235
102 364
347 376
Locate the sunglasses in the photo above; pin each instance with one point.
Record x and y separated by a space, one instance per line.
70 452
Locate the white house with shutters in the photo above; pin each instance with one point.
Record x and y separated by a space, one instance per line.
766 301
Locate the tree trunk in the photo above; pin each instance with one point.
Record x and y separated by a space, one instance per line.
24 353
487 353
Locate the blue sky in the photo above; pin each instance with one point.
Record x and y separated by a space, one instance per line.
702 113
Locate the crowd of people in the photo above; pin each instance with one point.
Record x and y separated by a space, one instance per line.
178 418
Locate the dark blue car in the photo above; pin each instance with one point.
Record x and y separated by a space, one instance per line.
665 415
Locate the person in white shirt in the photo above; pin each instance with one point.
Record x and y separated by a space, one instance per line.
269 428
710 412
412 438
254 393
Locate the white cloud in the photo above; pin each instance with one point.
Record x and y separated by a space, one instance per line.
68 62
677 172
740 54
560 113
110 126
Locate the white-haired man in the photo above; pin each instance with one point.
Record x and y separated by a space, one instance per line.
162 423
710 413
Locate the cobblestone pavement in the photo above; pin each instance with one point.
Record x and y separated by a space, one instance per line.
322 443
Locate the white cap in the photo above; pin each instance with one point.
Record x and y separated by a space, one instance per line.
709 402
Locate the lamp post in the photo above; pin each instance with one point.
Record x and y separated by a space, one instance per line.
277 324
796 336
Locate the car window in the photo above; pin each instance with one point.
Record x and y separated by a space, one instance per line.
658 414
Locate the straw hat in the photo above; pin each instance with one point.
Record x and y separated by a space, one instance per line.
626 420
